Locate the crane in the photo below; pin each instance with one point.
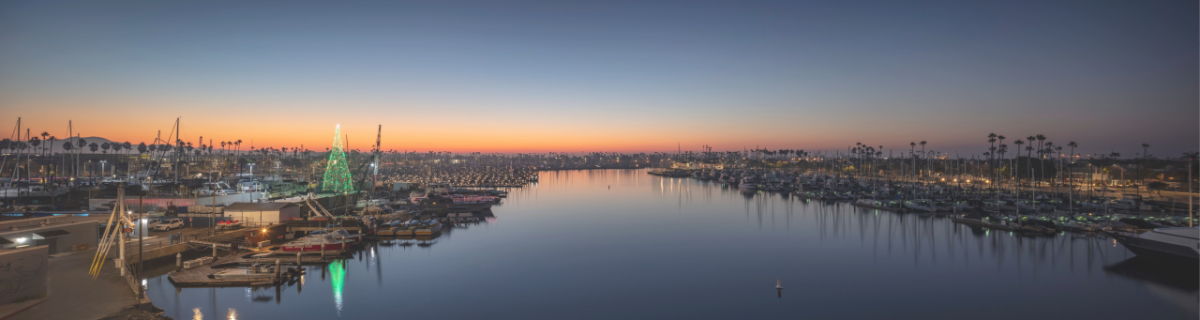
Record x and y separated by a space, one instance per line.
121 220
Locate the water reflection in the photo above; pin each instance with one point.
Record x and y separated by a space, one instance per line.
337 272
1170 282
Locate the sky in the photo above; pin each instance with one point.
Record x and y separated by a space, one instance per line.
621 76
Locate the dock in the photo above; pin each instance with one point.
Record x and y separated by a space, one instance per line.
198 276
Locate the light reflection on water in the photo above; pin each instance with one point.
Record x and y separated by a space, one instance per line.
337 273
608 244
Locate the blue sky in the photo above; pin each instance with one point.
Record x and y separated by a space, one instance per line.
611 75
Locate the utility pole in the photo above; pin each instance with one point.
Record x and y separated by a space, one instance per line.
121 234
141 225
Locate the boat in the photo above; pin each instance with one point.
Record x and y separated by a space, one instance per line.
240 274
428 229
316 242
402 231
749 183
876 204
1180 245
919 205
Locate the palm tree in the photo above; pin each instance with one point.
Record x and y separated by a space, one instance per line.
912 147
992 152
45 135
1048 150
35 142
1019 142
1145 152
80 144
923 150
1190 156
239 155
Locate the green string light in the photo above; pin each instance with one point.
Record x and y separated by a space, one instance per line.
337 173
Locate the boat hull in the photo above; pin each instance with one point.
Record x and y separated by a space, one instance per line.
313 247
1157 250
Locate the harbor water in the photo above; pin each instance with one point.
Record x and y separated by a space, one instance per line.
622 244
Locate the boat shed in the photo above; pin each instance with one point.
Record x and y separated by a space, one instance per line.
261 213
59 233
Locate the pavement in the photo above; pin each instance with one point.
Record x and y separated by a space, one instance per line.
73 294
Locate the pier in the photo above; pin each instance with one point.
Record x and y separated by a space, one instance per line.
200 276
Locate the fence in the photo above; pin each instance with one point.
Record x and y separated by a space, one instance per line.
151 247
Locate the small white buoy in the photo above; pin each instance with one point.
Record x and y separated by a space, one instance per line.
778 284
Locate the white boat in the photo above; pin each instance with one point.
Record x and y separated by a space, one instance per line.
749 183
16 190
242 274
1176 245
920 205
316 242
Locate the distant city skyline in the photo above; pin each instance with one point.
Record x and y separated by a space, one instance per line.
614 76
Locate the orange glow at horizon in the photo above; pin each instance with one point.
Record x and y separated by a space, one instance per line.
264 122
311 125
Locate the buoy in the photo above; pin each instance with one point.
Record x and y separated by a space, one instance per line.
778 284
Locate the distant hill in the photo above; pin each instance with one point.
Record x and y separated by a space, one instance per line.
89 140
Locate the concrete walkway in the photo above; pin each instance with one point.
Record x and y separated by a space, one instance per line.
74 295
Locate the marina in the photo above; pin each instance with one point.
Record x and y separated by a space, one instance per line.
256 234
599 160
815 246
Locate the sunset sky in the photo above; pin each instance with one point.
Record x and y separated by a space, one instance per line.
610 75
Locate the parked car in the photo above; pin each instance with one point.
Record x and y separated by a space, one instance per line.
167 224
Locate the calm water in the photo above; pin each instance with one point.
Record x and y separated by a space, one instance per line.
609 244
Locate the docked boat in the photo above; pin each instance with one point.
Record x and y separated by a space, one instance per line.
973 219
876 204
919 205
402 231
317 242
240 274
1175 245
428 229
749 183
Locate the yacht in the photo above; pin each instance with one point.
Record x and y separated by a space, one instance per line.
919 205
1179 245
749 183
316 242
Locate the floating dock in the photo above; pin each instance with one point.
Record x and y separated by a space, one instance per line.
199 276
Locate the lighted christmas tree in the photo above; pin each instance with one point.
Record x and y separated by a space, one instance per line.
337 173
